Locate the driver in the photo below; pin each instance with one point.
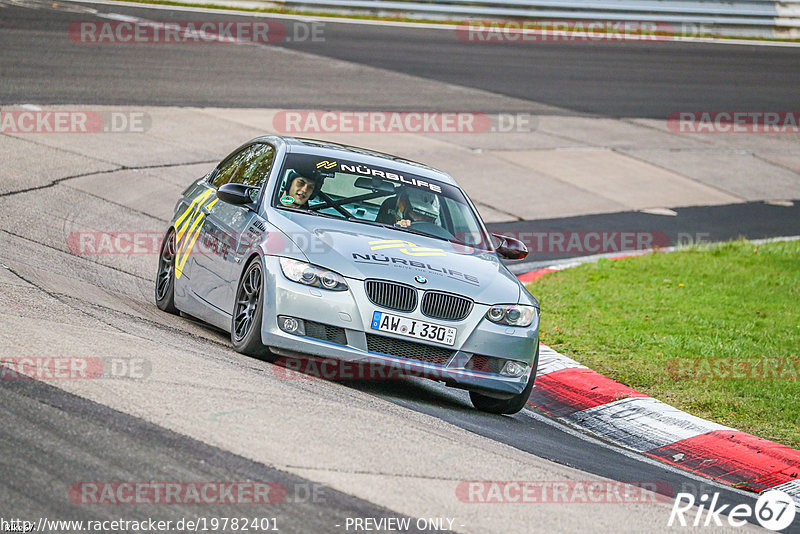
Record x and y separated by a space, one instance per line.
416 205
300 189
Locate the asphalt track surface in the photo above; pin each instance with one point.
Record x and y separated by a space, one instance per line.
699 224
616 79
66 437
50 438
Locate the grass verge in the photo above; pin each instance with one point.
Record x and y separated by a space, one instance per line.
714 331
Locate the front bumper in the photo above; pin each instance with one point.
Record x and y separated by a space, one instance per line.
345 318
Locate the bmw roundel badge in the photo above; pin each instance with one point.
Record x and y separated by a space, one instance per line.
421 279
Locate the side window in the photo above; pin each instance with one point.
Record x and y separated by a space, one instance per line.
251 166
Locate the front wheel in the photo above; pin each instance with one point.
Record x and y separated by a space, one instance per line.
248 311
165 277
510 406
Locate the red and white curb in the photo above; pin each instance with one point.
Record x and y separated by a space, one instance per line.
594 403
585 399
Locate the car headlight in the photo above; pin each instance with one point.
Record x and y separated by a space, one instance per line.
512 314
311 275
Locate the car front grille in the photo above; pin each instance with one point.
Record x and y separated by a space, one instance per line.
326 332
408 349
445 306
391 295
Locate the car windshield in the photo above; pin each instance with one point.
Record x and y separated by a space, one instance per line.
378 195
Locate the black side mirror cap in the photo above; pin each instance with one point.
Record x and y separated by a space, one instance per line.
237 194
510 248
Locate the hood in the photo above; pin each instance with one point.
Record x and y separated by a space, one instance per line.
364 251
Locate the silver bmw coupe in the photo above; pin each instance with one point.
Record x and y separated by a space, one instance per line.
305 247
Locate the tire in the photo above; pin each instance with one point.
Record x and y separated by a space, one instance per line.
248 312
165 277
510 406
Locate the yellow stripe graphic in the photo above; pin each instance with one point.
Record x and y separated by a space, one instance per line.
404 247
180 258
195 208
197 199
390 243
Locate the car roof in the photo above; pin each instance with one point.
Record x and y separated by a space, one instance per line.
329 149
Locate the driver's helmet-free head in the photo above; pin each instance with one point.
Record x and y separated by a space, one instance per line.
293 175
422 202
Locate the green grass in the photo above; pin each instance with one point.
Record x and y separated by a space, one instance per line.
648 321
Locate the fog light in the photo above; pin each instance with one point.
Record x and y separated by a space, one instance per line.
291 325
513 369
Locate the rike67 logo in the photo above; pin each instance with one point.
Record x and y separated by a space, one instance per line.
774 510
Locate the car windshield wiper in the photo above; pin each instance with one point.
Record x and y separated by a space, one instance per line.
395 227
418 232
476 248
317 213
410 230
372 223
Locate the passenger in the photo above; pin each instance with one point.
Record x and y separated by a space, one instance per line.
416 205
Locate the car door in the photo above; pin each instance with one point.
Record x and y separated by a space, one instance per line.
225 233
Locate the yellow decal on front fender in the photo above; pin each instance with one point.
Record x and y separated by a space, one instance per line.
190 219
181 256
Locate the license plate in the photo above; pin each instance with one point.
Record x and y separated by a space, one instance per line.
386 322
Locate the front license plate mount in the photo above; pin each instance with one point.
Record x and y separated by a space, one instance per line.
413 328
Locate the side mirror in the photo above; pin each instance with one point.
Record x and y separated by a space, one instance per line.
236 194
510 248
